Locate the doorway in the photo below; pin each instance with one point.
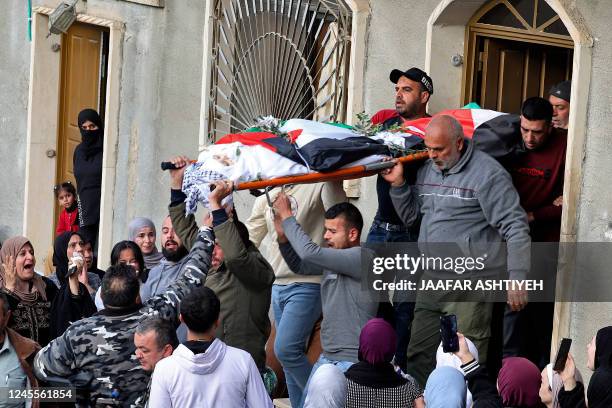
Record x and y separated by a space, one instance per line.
515 49
508 72
84 62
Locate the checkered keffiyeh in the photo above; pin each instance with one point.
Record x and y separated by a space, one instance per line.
196 185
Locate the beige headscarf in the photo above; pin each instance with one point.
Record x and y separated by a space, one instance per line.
11 247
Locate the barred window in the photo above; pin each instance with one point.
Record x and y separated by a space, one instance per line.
284 58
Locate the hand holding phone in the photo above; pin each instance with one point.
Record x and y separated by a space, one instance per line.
448 332
76 263
562 353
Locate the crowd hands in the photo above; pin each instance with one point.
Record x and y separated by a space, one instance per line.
189 325
145 324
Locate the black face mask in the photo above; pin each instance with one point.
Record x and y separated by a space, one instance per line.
92 142
90 137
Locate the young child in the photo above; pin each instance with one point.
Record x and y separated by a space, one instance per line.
66 195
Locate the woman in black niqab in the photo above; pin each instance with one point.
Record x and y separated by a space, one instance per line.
87 165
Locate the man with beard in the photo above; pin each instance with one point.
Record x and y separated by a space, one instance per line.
413 89
166 272
465 196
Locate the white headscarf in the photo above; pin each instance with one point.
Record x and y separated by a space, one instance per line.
327 388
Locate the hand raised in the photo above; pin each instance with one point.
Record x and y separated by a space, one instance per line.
10 273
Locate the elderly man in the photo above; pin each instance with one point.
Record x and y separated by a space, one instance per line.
464 196
559 98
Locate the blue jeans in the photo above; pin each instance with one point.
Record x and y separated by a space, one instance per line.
342 365
297 307
402 313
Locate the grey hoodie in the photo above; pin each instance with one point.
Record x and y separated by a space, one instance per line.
475 205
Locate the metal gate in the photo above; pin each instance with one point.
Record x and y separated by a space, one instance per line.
284 58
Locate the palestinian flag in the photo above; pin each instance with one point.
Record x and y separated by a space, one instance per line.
319 146
300 146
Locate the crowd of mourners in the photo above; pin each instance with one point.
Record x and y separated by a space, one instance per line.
210 320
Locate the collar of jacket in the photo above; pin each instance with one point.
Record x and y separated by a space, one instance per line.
120 311
26 349
23 346
466 155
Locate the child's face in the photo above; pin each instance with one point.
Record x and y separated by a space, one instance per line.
65 198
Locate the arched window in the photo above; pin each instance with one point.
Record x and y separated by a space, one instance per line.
515 49
285 58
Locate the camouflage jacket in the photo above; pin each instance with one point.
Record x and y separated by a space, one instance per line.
103 344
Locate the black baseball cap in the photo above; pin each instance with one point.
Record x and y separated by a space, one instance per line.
562 90
415 74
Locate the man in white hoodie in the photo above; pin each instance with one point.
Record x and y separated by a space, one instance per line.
204 371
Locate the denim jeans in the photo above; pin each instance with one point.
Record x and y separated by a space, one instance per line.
342 365
402 312
297 307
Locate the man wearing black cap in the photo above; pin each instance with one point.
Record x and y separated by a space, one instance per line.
412 91
559 98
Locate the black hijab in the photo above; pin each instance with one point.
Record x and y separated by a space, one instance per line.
599 393
92 141
603 348
65 308
60 256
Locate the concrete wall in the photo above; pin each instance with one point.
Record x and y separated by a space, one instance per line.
14 78
159 99
595 208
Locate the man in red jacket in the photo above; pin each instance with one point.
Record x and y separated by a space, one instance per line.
538 178
538 174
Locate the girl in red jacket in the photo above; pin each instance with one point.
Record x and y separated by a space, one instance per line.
66 195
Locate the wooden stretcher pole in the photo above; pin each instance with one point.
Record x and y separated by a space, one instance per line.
342 174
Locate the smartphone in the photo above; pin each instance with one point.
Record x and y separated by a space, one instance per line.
561 358
448 332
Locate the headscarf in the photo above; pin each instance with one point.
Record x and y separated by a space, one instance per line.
519 382
64 310
445 388
451 360
377 342
134 228
11 247
92 141
327 388
599 393
556 383
60 256
603 348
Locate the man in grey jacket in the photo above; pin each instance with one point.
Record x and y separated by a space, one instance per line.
465 197
167 270
346 306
